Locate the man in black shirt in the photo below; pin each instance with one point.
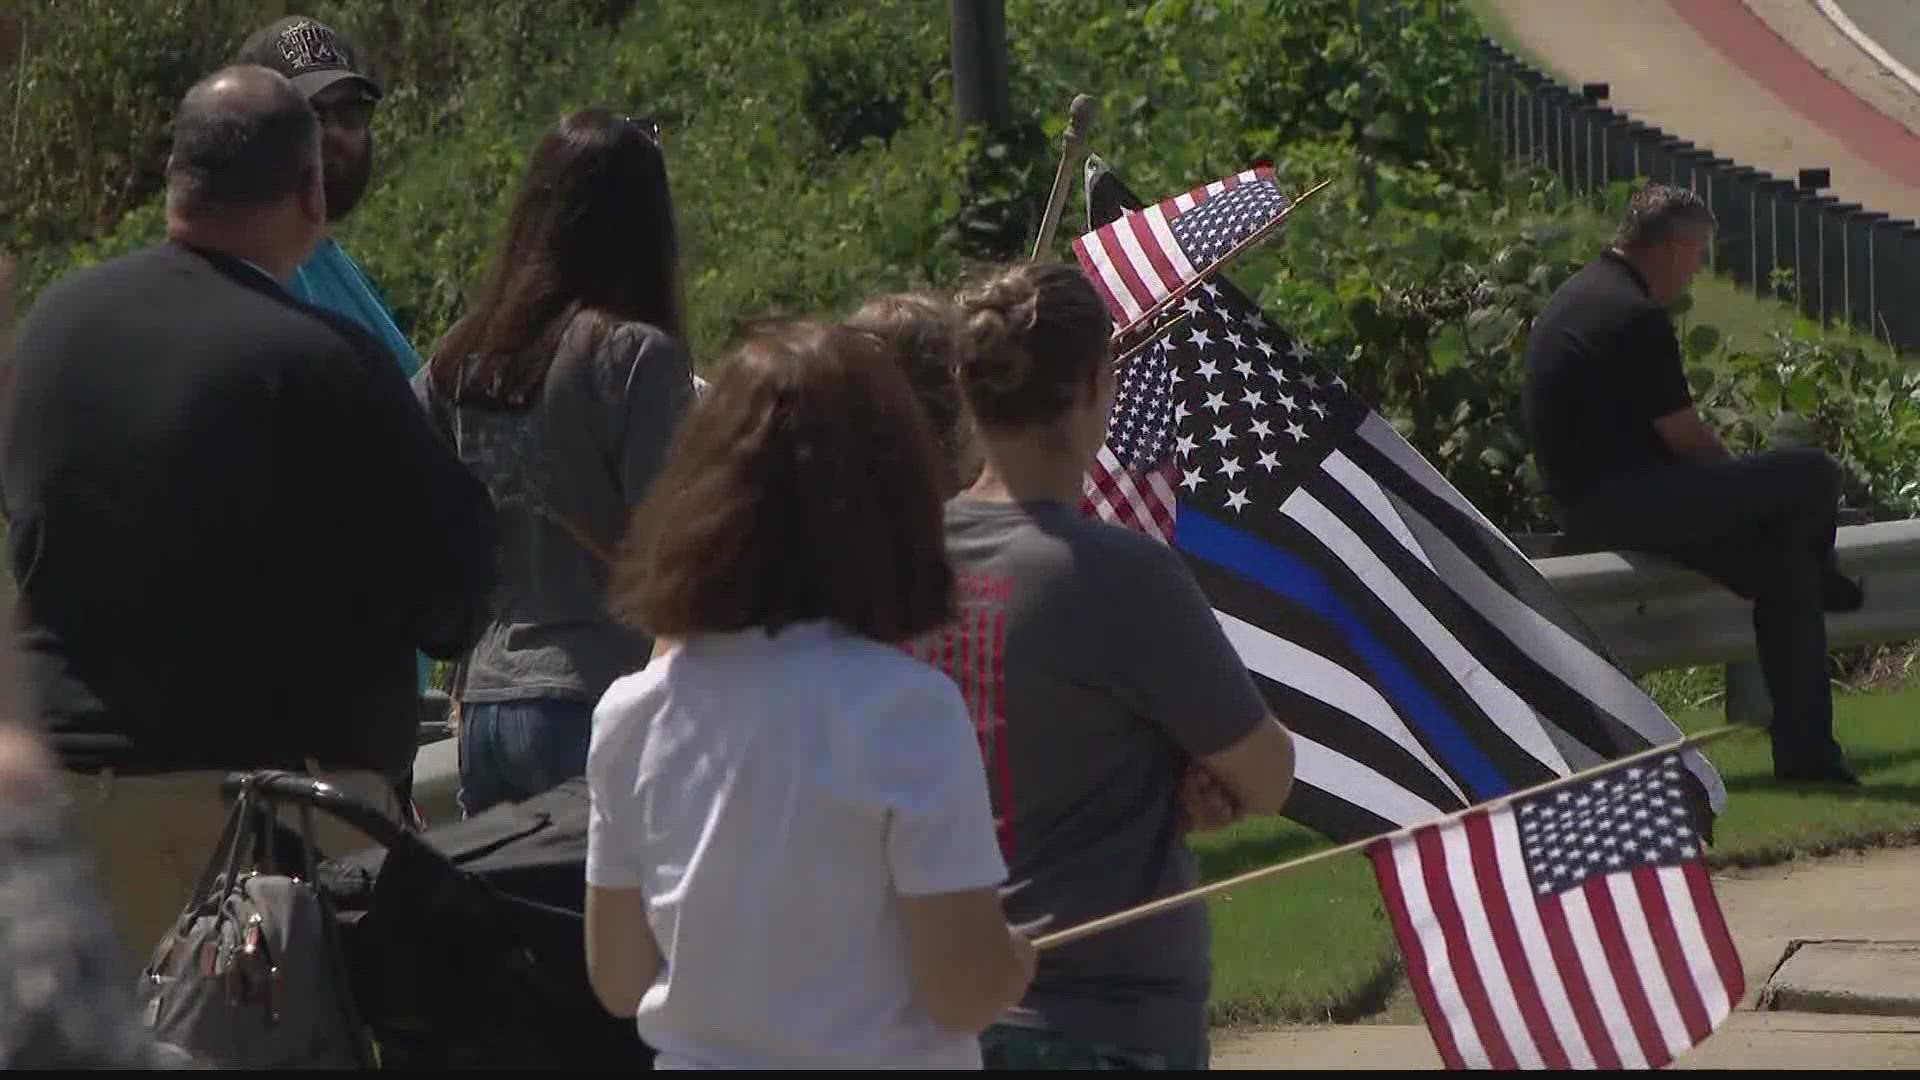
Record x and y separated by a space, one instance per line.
1629 463
206 481
64 1001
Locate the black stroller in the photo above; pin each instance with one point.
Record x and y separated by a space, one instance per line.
465 944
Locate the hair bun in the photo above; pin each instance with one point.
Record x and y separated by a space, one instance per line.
1000 318
1034 333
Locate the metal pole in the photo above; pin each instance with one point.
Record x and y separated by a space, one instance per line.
1073 154
19 92
979 29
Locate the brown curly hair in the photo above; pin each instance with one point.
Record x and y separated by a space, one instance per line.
803 486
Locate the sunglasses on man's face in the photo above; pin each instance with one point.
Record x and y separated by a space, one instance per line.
352 114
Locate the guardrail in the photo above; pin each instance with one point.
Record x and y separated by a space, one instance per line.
1654 614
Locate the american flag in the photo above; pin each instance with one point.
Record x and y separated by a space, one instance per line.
1420 660
1137 261
1574 928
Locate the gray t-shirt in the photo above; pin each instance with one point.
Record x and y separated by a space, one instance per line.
1096 671
565 474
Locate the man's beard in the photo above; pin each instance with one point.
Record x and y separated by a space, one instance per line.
346 182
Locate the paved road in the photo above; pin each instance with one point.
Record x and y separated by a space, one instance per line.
1718 73
1893 24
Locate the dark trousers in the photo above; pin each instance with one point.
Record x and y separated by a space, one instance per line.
1763 526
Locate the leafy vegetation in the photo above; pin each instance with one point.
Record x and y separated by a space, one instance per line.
817 161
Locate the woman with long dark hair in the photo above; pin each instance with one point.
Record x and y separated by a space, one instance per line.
561 388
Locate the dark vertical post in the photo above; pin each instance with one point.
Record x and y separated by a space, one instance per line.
1786 233
1833 261
1516 109
979 39
1713 179
1645 138
1670 161
1525 79
1620 149
1859 279
1543 87
1597 117
1690 170
1579 117
1896 258
1809 251
1671 158
1488 57
1738 234
1557 100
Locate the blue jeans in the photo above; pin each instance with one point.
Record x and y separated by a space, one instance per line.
514 750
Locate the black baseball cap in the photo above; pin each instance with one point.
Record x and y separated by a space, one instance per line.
308 52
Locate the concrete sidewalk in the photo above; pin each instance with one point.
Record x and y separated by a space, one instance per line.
1748 1040
1875 896
1663 71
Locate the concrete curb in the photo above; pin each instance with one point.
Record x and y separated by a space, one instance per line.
1849 976
1841 22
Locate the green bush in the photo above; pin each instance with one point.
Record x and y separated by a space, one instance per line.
862 70
92 102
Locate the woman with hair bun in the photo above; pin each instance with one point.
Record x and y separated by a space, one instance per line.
1112 713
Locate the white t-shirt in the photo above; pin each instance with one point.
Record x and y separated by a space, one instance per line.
773 797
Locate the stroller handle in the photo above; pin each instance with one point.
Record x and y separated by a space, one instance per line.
278 785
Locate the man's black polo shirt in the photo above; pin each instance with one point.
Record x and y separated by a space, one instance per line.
1603 362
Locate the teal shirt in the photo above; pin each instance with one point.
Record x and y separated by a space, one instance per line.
332 280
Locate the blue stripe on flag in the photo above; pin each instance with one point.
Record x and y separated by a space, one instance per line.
1279 572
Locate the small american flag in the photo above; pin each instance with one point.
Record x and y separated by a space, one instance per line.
1140 259
1574 928
1137 261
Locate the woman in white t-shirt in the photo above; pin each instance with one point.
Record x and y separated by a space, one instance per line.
791 860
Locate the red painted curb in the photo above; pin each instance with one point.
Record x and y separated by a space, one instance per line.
1753 47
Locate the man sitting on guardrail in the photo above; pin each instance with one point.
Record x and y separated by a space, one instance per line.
1630 464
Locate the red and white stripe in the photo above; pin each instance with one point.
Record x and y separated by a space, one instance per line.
1628 970
1143 502
972 650
1134 259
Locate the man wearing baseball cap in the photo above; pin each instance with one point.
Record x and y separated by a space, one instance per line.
321 65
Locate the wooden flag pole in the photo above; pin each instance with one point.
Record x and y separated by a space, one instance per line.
1073 154
1169 327
1087 929
1219 264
